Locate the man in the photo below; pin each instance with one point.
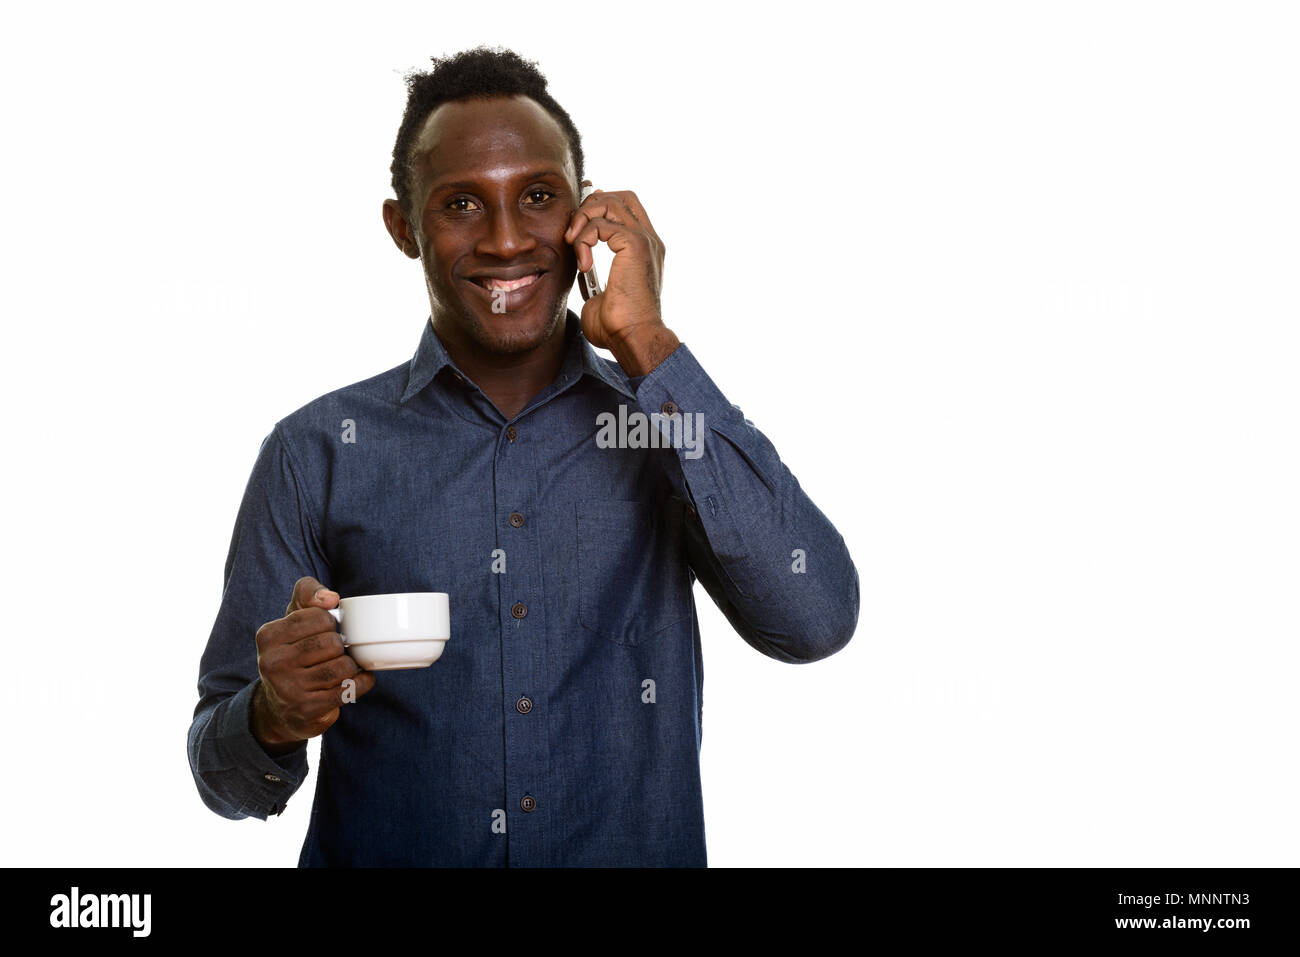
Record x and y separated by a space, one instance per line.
562 724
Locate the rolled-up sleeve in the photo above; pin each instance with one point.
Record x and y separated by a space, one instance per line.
273 545
768 557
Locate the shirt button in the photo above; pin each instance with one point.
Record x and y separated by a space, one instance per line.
669 408
512 433
528 803
690 510
271 777
519 609
524 705
516 519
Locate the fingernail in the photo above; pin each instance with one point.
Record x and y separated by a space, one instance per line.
319 593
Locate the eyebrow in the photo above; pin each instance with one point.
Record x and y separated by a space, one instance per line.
471 184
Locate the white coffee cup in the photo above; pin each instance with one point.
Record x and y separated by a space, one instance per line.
389 632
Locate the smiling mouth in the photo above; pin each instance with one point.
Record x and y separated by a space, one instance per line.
506 285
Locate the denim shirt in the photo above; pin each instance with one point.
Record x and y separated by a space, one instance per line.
562 724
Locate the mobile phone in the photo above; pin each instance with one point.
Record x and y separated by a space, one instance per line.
589 281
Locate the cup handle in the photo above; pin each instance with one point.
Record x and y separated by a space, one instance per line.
338 616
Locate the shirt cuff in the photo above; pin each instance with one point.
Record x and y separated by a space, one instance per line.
679 383
267 782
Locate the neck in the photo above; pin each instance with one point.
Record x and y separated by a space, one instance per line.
509 381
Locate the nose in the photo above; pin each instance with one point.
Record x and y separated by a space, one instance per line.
507 235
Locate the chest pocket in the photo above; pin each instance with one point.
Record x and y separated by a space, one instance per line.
632 574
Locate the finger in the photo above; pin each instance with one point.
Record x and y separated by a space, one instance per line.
315 649
618 236
330 674
628 209
308 592
363 682
582 252
322 718
301 709
617 209
307 622
620 206
294 627
598 204
291 661
633 204
591 327
311 705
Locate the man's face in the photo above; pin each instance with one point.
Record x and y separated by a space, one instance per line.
493 194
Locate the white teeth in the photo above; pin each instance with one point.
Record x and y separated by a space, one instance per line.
509 284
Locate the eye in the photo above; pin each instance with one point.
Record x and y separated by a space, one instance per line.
455 204
542 195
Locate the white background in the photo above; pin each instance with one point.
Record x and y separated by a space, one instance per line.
1011 287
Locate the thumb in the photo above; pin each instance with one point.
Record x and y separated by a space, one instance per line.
591 327
309 593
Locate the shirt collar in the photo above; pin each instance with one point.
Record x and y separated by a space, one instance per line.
431 357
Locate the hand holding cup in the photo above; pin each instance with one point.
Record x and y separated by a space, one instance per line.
302 665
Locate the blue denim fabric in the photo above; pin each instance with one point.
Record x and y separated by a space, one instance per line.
417 771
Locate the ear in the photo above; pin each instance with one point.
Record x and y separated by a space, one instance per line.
397 226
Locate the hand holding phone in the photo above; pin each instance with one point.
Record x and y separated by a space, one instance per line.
626 319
